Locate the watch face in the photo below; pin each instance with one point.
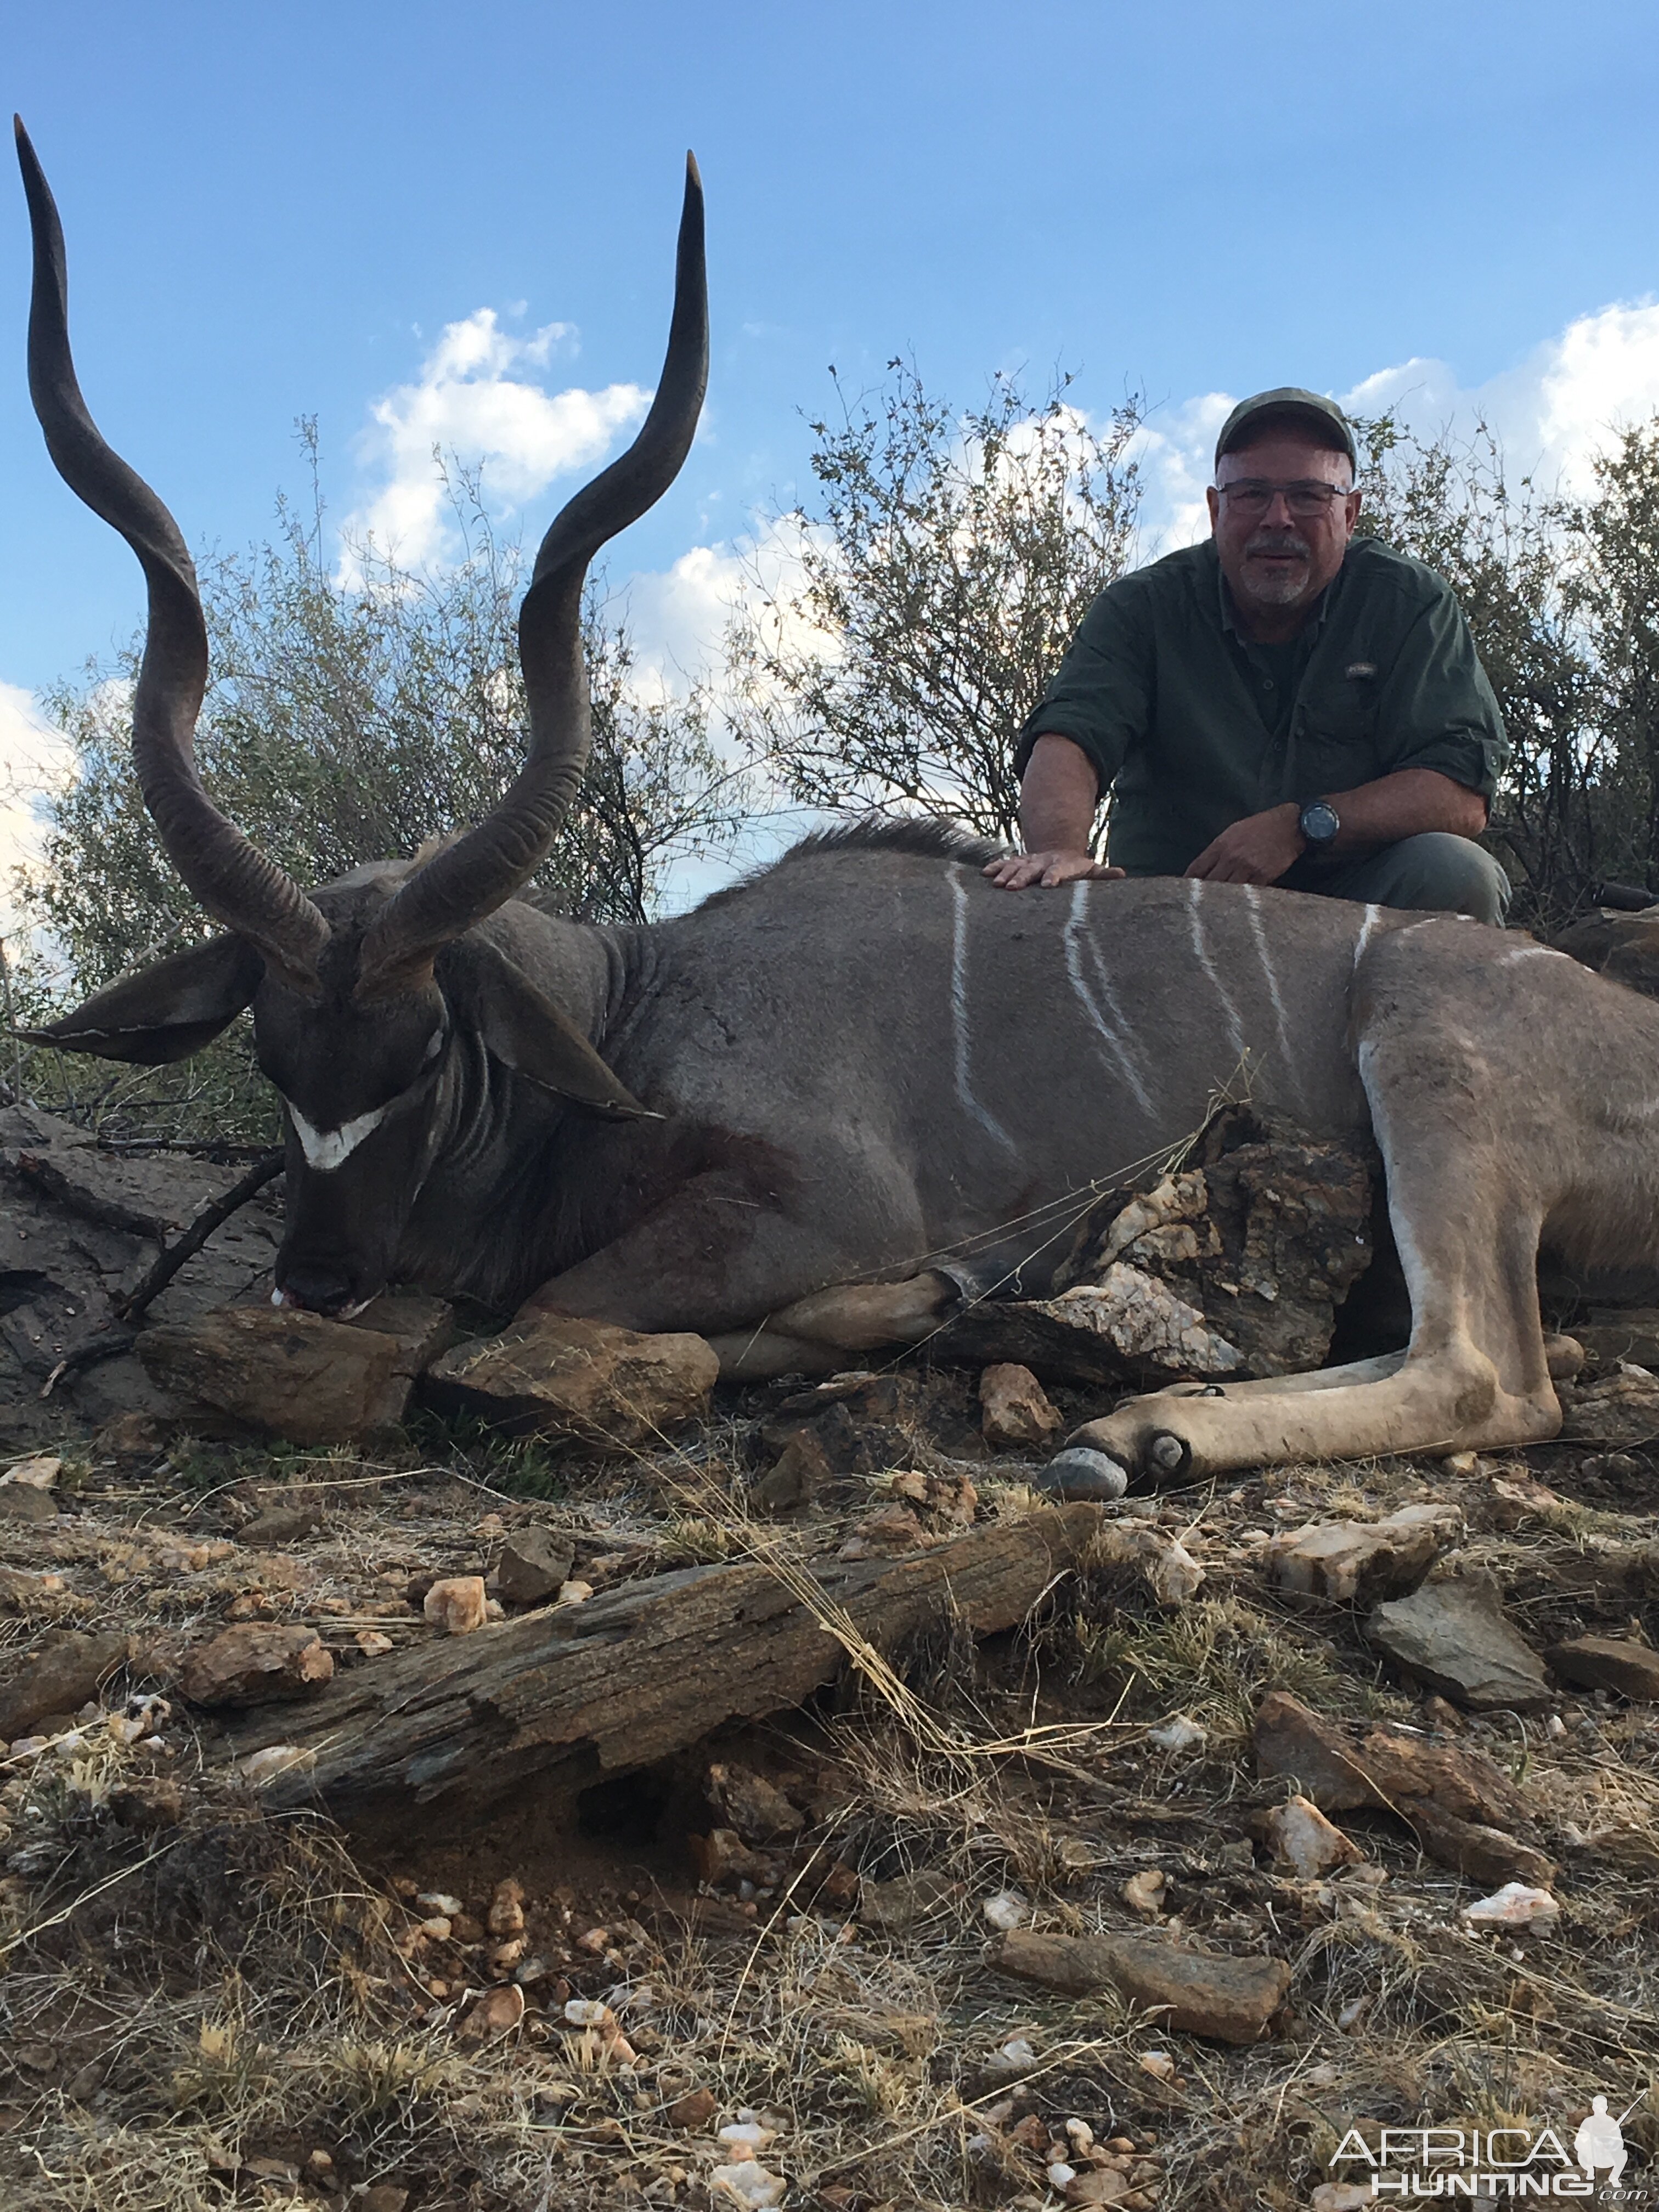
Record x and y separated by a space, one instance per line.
1319 823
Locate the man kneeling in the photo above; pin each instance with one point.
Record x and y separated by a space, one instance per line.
1284 703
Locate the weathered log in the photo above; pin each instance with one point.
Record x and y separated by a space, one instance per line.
1234 1267
577 1695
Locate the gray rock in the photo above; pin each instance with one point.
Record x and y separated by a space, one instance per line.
20 1501
59 1675
1083 1473
1455 1637
534 1563
1619 1409
1613 1337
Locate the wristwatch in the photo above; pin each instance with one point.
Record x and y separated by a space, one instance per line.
1319 823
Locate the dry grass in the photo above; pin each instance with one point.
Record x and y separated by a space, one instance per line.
180 2003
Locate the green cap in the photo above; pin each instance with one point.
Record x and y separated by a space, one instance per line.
1290 399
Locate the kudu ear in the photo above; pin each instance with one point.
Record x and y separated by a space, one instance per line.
166 1011
526 1031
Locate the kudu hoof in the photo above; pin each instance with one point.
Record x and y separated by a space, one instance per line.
1169 1458
1081 1474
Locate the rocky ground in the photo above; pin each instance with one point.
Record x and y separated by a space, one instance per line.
916 1944
1322 1801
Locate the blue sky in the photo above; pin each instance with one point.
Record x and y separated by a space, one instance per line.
281 211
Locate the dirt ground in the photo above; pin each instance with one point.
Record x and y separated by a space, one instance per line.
204 2002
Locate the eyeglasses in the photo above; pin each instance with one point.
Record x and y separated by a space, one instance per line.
1307 501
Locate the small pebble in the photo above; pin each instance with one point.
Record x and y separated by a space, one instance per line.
457 1604
1514 1905
747 2137
1179 1735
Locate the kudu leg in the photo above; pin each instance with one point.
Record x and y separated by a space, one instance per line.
815 1335
718 1257
1474 1377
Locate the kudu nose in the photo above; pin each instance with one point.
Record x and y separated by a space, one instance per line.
318 1287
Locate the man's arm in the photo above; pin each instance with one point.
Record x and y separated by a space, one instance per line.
1260 847
1058 795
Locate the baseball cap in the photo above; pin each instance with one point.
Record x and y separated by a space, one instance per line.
1289 399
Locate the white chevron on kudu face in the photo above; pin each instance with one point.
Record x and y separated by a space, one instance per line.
325 1150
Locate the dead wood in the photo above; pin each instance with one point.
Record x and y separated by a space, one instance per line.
1233 1266
577 1693
113 1339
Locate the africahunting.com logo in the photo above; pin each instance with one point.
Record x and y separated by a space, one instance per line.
1485 2166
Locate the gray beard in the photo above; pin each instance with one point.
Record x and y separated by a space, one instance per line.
1275 591
1272 589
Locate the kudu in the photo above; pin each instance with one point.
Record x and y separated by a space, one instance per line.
806 1117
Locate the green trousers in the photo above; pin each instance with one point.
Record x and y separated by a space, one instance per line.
1436 871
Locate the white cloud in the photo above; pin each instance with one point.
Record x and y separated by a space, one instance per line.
1552 414
1173 450
34 759
474 401
1556 411
678 617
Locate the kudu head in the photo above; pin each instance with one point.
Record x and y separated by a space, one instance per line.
363 993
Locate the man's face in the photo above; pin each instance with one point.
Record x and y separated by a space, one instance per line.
1277 560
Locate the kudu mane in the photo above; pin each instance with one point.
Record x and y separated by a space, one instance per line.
921 836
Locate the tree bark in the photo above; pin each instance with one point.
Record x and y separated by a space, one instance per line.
578 1694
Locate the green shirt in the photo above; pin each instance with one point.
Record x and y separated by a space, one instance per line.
1192 726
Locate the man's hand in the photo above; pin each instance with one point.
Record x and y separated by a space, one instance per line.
1057 801
1016 872
1257 850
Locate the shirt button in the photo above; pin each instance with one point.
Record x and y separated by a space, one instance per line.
1266 682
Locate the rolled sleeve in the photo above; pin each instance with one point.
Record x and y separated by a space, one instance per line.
1101 695
1436 708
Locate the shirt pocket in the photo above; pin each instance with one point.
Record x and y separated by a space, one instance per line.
1335 738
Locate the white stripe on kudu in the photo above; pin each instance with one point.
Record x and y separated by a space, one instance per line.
960 1039
1365 929
1195 890
1253 901
1530 952
1086 998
